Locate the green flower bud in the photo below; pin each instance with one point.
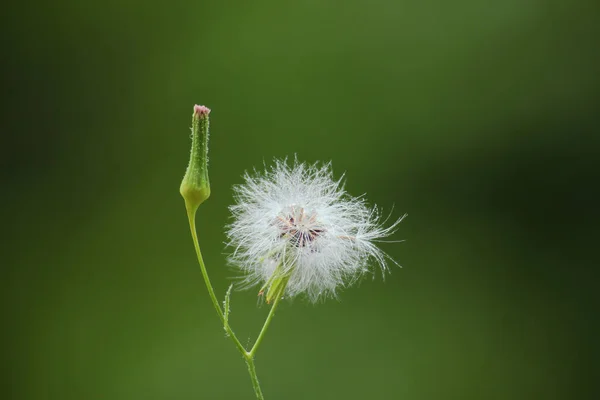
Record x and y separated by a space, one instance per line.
195 187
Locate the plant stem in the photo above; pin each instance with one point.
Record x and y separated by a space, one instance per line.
261 335
192 220
254 377
248 355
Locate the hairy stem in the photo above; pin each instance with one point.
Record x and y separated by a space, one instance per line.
254 377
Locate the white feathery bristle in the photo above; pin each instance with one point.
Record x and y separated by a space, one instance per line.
300 218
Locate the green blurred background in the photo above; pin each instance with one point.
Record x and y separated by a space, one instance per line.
477 118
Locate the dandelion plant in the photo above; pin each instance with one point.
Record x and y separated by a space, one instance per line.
295 232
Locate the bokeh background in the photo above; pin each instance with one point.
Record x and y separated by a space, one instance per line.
477 118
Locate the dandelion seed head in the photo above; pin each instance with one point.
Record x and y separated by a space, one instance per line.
299 218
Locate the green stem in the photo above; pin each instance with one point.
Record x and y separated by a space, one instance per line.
254 377
192 220
248 355
261 335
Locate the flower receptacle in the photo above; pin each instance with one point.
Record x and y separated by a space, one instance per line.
276 284
277 288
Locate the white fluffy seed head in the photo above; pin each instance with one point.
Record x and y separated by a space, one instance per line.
299 218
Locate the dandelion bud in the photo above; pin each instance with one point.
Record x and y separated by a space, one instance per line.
195 187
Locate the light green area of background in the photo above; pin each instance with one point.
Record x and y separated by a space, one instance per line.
477 118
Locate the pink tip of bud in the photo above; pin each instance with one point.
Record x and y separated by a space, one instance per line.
201 111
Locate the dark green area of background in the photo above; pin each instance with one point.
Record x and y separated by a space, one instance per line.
477 118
